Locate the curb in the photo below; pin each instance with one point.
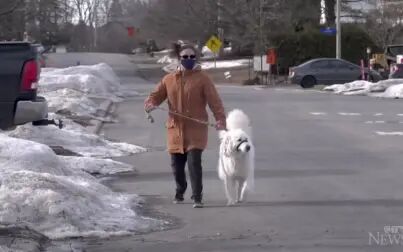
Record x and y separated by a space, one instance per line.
106 107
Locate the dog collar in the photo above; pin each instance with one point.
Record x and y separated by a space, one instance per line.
242 142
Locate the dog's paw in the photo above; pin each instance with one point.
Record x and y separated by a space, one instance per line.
230 203
239 201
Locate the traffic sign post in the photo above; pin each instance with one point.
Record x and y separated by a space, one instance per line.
214 44
328 31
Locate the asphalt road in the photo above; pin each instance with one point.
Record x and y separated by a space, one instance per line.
325 179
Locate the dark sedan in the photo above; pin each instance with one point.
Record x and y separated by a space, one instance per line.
328 71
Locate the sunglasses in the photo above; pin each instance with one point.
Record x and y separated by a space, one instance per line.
188 56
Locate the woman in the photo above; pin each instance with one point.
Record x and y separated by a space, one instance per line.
188 91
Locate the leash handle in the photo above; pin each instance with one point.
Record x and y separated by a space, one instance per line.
149 117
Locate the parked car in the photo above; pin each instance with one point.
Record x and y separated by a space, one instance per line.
397 72
19 76
328 71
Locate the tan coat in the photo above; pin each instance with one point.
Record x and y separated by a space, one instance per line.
188 93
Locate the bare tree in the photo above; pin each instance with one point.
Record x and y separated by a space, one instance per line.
385 24
7 7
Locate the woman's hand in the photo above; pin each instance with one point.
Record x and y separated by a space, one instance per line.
220 125
149 106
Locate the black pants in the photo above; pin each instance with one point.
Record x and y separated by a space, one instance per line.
178 163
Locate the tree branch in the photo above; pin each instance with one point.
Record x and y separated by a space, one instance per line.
12 9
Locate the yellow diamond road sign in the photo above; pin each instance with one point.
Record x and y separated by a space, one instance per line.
214 44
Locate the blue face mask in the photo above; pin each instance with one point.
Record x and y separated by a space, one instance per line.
188 64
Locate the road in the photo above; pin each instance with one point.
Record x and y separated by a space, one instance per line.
325 179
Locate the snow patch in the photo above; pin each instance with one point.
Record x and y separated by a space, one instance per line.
166 60
318 113
75 138
392 133
349 114
395 91
96 165
71 89
392 88
72 101
225 64
53 197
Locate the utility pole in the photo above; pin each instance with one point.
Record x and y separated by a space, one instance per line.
95 24
338 30
261 36
220 29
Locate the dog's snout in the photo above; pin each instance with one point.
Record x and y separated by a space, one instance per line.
247 147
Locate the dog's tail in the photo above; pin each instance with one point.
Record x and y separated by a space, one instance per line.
237 119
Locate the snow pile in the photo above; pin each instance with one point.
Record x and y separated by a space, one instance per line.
97 79
97 166
207 53
44 192
395 91
75 138
165 60
70 89
225 64
70 100
392 88
359 86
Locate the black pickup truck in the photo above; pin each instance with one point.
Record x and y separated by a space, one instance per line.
19 76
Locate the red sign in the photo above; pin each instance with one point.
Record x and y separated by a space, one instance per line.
130 31
271 56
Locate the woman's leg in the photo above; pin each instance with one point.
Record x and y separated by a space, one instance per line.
178 162
195 172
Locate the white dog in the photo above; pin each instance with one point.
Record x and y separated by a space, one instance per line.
236 160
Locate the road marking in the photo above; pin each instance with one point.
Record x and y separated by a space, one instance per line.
376 122
399 114
349 114
378 114
392 133
318 113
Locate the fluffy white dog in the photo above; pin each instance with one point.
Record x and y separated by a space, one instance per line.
236 158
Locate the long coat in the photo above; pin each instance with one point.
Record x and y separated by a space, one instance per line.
188 93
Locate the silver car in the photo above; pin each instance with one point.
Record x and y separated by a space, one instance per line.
328 71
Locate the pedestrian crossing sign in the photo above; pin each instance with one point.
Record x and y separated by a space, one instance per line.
214 44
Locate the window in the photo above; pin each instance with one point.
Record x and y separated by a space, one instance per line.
320 64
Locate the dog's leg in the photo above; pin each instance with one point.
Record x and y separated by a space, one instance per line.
229 185
239 185
243 191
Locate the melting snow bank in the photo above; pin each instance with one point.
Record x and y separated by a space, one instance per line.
225 64
70 89
50 195
392 88
97 79
75 138
97 166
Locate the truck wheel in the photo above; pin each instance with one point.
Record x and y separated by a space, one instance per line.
308 82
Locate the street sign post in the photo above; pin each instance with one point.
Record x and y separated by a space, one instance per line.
328 31
214 44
